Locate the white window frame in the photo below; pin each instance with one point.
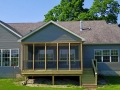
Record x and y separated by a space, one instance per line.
9 57
104 55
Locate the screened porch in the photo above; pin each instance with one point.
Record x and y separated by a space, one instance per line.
51 56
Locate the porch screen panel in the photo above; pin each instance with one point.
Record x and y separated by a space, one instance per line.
74 58
40 62
51 62
63 59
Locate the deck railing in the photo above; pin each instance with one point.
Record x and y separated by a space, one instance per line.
51 65
94 64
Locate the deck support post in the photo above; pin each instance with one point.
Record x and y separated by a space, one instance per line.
69 57
80 80
57 56
33 55
45 56
81 58
53 80
25 79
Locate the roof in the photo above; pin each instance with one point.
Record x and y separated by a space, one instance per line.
14 31
100 31
44 25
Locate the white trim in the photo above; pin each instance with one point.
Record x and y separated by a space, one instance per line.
11 30
10 57
107 55
1 58
46 25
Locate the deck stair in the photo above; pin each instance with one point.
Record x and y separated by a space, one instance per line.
88 78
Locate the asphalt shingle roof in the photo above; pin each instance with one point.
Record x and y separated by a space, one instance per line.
100 31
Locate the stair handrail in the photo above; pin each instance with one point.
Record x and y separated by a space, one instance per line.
94 64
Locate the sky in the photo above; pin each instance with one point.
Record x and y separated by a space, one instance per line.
19 11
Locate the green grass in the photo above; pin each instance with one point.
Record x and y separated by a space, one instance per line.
9 84
113 83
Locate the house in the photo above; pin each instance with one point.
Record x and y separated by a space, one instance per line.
75 48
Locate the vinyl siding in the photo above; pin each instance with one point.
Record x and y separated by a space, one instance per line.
103 67
8 40
51 33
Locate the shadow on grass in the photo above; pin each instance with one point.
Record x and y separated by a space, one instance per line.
58 80
112 80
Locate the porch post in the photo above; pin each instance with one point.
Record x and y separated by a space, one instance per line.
80 80
69 58
57 56
33 55
81 57
45 56
22 62
52 80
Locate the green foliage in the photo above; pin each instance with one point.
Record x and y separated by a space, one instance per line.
67 10
72 10
118 25
105 10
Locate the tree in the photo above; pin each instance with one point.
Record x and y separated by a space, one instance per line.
67 10
105 10
118 25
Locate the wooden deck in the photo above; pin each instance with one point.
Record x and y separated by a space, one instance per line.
51 72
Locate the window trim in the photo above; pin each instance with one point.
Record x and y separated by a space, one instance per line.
107 55
10 57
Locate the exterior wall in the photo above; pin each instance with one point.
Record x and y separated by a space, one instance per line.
105 68
51 33
8 41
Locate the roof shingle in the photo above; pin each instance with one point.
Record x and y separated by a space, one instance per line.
100 31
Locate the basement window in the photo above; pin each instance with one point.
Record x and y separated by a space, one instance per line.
106 55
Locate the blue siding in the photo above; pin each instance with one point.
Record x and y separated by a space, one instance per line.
51 33
107 68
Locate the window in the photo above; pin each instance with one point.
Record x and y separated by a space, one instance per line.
98 55
14 57
9 57
5 57
114 55
106 55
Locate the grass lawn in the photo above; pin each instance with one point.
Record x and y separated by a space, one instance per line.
113 83
9 84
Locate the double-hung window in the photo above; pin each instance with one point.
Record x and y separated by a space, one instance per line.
9 57
106 55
